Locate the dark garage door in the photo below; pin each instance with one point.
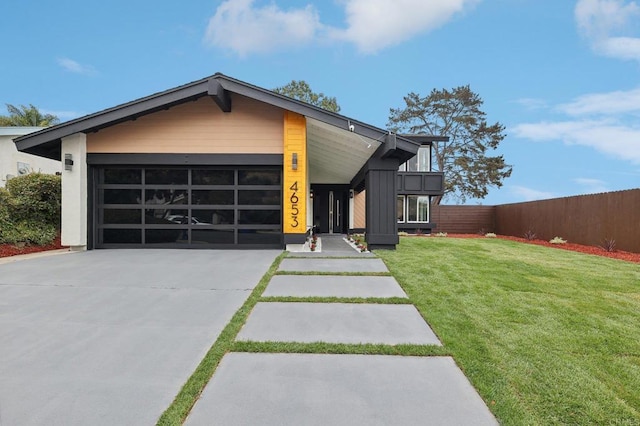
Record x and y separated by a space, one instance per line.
187 207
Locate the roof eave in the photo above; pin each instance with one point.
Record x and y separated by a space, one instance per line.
47 142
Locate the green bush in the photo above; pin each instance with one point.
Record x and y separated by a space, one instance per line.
29 233
30 209
35 197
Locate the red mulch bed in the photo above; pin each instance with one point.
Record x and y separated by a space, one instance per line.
598 251
11 250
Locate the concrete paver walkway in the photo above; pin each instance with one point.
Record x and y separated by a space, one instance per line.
321 389
349 390
332 265
333 286
337 323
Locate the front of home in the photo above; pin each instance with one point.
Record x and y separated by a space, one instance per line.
220 163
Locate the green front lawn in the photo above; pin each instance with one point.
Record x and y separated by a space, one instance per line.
545 335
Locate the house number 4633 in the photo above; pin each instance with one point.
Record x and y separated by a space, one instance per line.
293 204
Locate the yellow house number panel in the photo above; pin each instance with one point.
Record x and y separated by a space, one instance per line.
295 174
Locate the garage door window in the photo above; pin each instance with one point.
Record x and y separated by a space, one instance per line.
188 207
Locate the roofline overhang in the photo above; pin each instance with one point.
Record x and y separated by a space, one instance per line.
47 142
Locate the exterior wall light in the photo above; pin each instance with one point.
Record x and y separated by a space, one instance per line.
68 162
294 161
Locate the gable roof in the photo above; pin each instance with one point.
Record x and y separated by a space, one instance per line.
47 142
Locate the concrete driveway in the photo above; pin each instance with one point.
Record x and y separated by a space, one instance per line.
109 336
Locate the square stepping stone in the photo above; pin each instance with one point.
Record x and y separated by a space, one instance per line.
337 323
333 286
320 389
332 265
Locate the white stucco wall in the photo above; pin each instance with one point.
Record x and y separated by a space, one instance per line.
10 156
74 193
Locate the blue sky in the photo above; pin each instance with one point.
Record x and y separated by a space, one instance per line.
562 76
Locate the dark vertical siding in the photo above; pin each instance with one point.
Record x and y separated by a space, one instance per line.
382 227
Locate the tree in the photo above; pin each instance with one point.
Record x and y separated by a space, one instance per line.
301 91
27 116
468 169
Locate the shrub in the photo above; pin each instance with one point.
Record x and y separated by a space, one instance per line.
30 209
441 234
608 245
35 197
557 240
529 235
490 235
28 233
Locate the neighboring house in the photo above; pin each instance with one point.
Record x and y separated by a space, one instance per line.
14 163
220 163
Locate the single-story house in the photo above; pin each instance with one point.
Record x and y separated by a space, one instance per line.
14 163
220 163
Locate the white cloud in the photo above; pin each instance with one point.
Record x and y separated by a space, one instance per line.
75 67
529 194
532 103
372 25
592 186
609 26
239 26
607 136
618 102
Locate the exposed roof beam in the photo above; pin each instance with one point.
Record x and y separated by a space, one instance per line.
302 108
425 139
220 96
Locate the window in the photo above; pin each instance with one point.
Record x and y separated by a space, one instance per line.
420 163
417 208
400 208
412 208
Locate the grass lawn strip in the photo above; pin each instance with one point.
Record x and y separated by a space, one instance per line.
545 336
340 348
318 299
346 274
191 390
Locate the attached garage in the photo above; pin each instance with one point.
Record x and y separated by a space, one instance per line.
199 207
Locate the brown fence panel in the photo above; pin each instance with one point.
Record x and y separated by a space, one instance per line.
463 219
583 219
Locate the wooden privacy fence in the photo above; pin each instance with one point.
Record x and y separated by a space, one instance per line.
463 219
583 219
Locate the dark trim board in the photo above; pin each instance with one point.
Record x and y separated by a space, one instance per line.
186 159
404 226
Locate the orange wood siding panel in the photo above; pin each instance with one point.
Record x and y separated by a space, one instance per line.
359 212
295 181
251 127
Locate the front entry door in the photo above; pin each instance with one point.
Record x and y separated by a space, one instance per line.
335 216
330 204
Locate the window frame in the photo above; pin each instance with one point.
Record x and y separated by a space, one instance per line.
417 206
424 153
404 208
